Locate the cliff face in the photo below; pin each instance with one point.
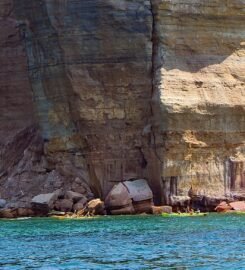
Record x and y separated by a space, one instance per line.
111 90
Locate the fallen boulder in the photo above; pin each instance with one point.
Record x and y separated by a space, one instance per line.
139 190
44 202
130 197
118 198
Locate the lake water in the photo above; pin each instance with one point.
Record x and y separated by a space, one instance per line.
136 242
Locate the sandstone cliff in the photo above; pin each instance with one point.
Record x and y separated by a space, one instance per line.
105 91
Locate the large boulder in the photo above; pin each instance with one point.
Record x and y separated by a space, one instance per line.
130 197
139 190
44 202
118 197
2 203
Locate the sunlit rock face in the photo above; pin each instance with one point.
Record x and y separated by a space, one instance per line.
104 91
199 94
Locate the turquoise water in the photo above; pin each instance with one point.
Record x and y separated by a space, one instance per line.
136 242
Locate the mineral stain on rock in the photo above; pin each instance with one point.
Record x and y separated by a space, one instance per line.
97 92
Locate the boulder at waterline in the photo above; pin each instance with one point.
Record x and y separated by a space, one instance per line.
44 202
118 197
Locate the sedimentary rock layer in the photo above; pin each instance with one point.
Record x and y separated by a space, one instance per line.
96 92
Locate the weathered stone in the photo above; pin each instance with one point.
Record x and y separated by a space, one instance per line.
128 210
158 210
25 212
143 206
8 213
180 200
75 196
96 207
167 106
78 206
2 203
139 190
44 202
64 205
118 197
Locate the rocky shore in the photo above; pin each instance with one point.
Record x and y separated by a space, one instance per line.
125 198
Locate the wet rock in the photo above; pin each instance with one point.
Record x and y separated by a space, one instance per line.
158 210
2 203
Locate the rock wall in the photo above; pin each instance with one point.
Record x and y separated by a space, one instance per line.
199 94
105 91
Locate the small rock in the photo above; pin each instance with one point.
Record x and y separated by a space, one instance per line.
223 207
64 205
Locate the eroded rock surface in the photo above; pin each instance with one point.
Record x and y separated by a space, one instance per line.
98 92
